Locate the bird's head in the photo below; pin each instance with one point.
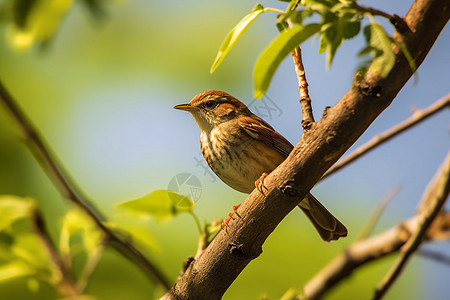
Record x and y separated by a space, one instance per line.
212 108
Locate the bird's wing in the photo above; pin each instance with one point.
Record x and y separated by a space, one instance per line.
261 131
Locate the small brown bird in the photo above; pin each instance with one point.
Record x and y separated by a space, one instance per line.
239 146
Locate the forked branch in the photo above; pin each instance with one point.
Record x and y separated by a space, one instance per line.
387 242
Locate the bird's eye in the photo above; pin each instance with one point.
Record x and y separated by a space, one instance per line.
210 104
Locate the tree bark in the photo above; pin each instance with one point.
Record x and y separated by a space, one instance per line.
209 276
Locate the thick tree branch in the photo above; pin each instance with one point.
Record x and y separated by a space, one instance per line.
210 275
68 190
385 243
435 196
417 117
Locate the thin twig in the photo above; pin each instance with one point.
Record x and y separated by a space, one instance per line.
68 190
291 8
373 11
417 117
438 191
93 259
305 101
197 222
367 230
439 257
66 284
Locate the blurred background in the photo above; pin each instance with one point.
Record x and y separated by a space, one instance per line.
102 92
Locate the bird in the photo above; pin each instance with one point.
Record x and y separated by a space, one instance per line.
240 146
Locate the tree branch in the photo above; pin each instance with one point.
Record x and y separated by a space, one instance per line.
438 257
376 247
373 11
417 117
376 214
305 101
436 195
210 275
361 253
68 190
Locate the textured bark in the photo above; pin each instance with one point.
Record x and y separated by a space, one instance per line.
210 275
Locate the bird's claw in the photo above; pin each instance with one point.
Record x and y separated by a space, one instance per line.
227 220
260 183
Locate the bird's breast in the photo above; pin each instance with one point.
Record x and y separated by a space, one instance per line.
237 158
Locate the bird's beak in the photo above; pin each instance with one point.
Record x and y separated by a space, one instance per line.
186 107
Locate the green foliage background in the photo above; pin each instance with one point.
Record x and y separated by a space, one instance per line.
101 93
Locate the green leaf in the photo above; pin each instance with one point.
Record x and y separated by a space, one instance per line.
29 248
22 10
160 204
402 46
383 57
323 46
291 5
14 269
327 3
299 16
13 208
291 294
367 50
350 28
26 256
38 24
334 40
331 40
334 32
77 223
235 34
22 252
272 56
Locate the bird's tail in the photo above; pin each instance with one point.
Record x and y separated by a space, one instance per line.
326 224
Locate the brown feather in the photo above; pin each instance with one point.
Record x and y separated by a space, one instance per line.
260 130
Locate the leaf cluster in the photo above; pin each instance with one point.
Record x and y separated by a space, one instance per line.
333 21
164 205
26 249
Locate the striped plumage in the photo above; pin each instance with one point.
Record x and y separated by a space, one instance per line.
239 147
235 157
